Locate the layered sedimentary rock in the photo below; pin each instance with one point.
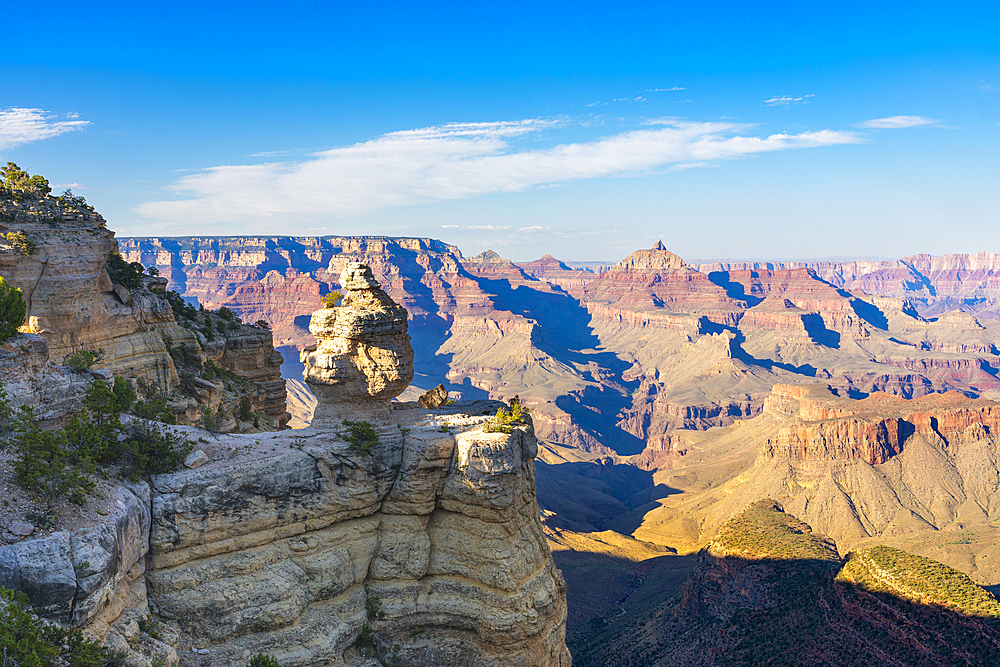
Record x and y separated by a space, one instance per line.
551 270
935 284
92 578
421 548
30 379
619 359
417 543
363 356
74 305
72 302
883 466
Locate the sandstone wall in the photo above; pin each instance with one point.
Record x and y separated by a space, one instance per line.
437 534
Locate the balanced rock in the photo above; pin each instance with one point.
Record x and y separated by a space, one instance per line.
363 357
434 398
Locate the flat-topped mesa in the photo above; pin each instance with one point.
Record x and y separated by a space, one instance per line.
363 357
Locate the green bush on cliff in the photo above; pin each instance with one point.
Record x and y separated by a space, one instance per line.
332 299
361 436
506 420
17 183
27 641
12 310
47 467
58 463
82 360
20 242
126 274
263 660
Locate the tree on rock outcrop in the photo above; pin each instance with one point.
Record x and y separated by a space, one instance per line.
17 181
12 310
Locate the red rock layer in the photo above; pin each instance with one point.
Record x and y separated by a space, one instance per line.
658 280
824 427
551 270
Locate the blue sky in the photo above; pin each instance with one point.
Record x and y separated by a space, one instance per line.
584 130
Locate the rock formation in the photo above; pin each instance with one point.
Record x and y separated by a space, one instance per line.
73 302
413 540
363 356
611 361
30 379
769 590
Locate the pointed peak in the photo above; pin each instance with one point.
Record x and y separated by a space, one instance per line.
659 246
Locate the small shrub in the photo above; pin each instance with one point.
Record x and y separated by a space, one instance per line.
82 360
211 420
227 314
506 420
124 273
28 641
263 660
367 638
361 436
18 182
332 300
12 310
46 467
261 324
246 409
71 200
21 243
373 606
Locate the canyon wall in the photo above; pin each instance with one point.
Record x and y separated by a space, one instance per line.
73 303
615 361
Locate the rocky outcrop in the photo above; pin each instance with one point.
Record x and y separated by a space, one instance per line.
29 378
411 539
73 303
820 426
657 279
431 542
92 577
420 544
363 356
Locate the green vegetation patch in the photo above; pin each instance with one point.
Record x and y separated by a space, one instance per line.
763 530
27 641
506 420
60 462
20 242
882 569
12 310
361 436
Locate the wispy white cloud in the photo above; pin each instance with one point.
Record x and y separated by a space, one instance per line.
454 161
492 228
989 87
788 99
896 122
19 125
533 228
665 90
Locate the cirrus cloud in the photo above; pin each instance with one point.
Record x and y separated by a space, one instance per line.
19 125
454 161
896 122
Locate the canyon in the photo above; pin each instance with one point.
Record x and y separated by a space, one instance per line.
613 363
665 399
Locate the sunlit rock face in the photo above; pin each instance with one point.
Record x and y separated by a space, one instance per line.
363 357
